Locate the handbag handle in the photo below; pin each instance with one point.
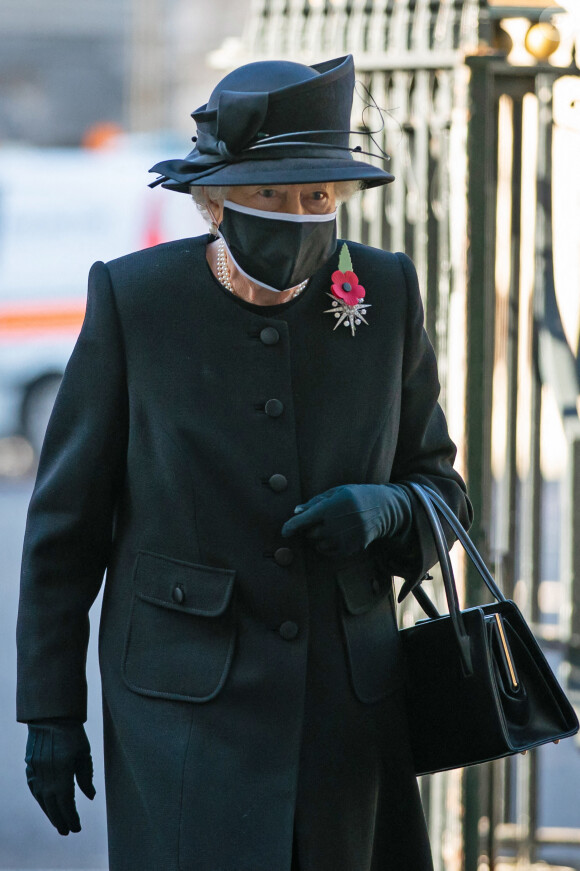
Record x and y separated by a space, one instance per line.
465 540
455 614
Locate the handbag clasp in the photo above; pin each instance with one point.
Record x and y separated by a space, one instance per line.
506 651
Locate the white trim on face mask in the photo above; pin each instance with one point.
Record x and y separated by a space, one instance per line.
281 216
250 277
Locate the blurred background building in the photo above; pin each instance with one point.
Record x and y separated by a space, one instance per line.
62 66
140 65
482 121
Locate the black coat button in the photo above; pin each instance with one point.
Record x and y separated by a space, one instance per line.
178 595
278 483
274 408
283 556
288 630
269 335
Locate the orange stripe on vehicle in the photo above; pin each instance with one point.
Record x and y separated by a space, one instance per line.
41 319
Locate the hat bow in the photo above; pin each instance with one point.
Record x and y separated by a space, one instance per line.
240 115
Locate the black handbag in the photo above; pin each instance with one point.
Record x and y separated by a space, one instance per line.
478 685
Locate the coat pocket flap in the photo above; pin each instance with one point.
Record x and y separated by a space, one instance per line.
186 587
361 588
370 631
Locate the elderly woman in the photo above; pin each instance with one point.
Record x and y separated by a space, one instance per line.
231 443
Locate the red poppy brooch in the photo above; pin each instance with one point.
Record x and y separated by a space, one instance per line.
347 295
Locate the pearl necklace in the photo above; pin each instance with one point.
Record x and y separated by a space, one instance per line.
223 272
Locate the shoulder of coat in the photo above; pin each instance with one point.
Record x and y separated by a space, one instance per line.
146 279
158 256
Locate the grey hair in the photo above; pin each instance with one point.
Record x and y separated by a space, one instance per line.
214 192
343 190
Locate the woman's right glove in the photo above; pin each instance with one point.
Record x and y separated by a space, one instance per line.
57 751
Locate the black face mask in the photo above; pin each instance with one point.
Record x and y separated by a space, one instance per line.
277 250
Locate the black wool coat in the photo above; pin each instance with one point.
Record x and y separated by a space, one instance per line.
253 689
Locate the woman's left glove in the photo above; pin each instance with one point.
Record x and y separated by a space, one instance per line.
344 520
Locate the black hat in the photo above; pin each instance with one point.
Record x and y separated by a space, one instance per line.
274 122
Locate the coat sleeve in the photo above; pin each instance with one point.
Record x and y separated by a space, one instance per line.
425 453
70 518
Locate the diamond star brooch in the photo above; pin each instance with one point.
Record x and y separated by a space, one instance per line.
347 295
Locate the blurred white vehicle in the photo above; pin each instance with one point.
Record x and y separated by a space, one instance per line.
60 210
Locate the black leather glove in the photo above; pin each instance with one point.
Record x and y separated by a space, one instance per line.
344 520
56 752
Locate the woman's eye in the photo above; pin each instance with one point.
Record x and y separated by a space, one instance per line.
267 193
318 195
